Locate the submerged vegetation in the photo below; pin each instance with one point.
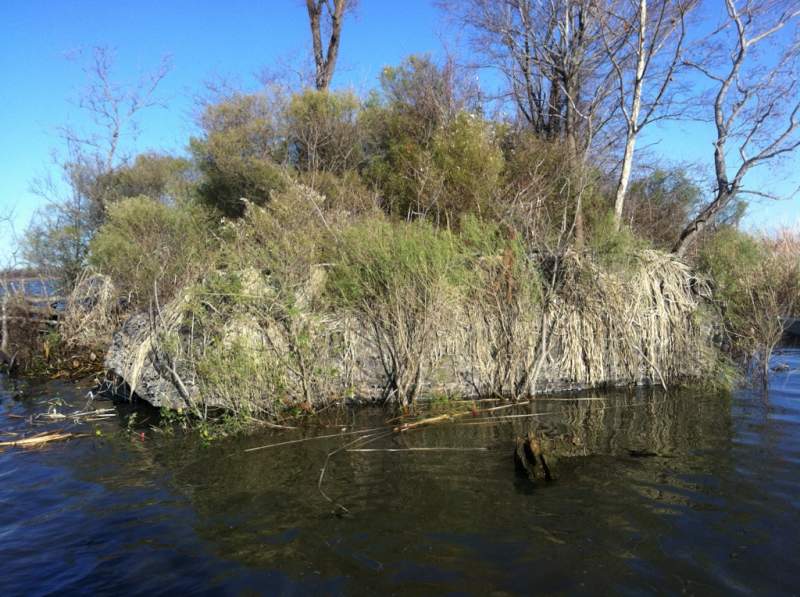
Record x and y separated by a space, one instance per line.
314 246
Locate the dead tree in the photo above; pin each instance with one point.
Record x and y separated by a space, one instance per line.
644 41
552 57
756 101
332 13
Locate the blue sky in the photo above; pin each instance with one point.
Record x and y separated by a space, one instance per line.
233 38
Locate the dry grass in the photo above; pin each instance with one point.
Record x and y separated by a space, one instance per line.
645 324
250 353
92 312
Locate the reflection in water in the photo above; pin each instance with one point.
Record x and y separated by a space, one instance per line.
654 493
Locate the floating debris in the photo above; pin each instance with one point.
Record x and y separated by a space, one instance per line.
42 438
89 416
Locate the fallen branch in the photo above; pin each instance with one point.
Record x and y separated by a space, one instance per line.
429 421
41 439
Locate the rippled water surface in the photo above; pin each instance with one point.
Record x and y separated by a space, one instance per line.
690 492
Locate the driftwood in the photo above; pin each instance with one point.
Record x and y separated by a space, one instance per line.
38 440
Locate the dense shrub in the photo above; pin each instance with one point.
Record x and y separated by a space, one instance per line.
469 161
757 283
346 192
660 204
541 186
161 177
398 280
454 172
240 153
374 259
146 245
323 132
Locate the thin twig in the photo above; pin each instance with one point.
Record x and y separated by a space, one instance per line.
366 439
309 439
444 449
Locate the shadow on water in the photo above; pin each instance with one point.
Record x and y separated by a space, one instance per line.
654 493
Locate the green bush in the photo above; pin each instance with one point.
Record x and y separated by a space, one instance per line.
466 154
540 187
346 192
323 131
499 253
241 153
283 239
756 283
615 249
378 260
399 280
659 205
454 172
145 244
732 258
160 177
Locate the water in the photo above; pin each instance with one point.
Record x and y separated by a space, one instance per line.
695 493
32 287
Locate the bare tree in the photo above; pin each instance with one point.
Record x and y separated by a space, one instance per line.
556 67
57 240
552 57
644 48
114 109
325 17
8 232
756 98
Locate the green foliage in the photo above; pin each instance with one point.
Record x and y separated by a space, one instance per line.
346 192
323 131
540 187
239 372
426 94
430 153
240 154
145 244
57 243
614 248
161 177
757 282
468 160
376 261
455 171
499 254
283 239
659 205
731 258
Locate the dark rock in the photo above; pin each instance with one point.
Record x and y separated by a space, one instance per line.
133 363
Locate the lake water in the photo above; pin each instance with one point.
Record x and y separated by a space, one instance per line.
691 492
32 287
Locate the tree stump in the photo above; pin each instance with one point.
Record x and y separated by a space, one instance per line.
530 460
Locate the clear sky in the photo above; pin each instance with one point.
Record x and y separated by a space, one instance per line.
235 38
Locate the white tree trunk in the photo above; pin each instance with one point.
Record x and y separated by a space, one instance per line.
4 316
633 118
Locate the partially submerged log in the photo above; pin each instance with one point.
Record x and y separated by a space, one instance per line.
530 460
